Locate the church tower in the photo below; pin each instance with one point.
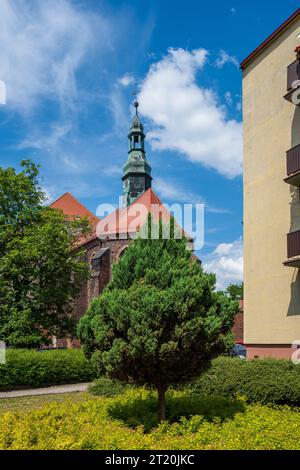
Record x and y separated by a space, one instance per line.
136 171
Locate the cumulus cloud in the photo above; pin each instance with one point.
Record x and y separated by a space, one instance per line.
226 261
187 117
43 44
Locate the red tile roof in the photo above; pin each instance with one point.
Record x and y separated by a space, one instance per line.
271 38
129 220
125 221
73 208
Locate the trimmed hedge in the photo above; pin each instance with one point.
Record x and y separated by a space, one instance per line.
28 368
104 387
266 381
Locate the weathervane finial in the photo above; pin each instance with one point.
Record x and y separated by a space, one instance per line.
136 103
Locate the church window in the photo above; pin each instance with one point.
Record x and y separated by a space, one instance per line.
121 252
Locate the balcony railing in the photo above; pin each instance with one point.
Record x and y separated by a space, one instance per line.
293 249
293 242
293 160
293 74
293 166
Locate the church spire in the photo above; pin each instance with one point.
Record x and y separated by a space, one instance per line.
136 171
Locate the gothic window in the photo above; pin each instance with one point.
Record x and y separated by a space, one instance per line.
121 252
96 263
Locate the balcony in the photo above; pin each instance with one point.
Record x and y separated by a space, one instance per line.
293 83
293 74
293 166
293 246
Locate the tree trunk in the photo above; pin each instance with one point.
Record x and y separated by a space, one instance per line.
162 404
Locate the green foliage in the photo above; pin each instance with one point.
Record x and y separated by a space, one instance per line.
107 387
235 291
259 381
139 408
86 425
159 321
28 368
40 273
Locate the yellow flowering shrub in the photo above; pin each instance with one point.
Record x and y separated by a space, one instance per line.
90 425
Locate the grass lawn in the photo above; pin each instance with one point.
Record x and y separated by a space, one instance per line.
34 403
128 421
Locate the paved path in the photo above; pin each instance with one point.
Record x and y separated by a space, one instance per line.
45 391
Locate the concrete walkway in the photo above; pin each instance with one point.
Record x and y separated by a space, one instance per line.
45 391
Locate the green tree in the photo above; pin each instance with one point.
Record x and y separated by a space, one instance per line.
159 322
235 291
40 268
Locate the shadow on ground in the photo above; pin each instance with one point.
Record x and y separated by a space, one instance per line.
139 412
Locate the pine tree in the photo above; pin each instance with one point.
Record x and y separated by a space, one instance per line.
159 322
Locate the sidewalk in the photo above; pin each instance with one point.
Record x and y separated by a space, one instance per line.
45 391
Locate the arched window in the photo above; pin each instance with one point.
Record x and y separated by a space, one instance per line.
121 252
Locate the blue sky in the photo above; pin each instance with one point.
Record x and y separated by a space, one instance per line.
70 67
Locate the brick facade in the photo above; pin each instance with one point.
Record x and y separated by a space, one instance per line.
238 327
99 277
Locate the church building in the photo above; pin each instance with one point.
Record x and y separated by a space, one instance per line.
111 235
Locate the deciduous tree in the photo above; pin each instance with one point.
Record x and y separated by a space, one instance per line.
40 268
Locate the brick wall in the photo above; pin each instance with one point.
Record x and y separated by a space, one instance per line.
238 327
98 279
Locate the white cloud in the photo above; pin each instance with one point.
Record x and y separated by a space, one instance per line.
173 192
239 106
47 142
228 98
187 117
126 80
49 195
119 111
43 44
226 261
113 170
225 58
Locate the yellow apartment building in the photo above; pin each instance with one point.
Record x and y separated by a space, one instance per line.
271 103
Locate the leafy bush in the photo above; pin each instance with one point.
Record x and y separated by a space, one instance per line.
28 368
259 381
107 387
140 408
86 425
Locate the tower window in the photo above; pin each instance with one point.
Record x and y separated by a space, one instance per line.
136 139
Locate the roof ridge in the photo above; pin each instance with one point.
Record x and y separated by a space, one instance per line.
68 194
60 197
269 39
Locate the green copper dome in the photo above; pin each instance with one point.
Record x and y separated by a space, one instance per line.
136 171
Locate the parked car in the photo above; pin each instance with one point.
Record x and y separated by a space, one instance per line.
239 350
